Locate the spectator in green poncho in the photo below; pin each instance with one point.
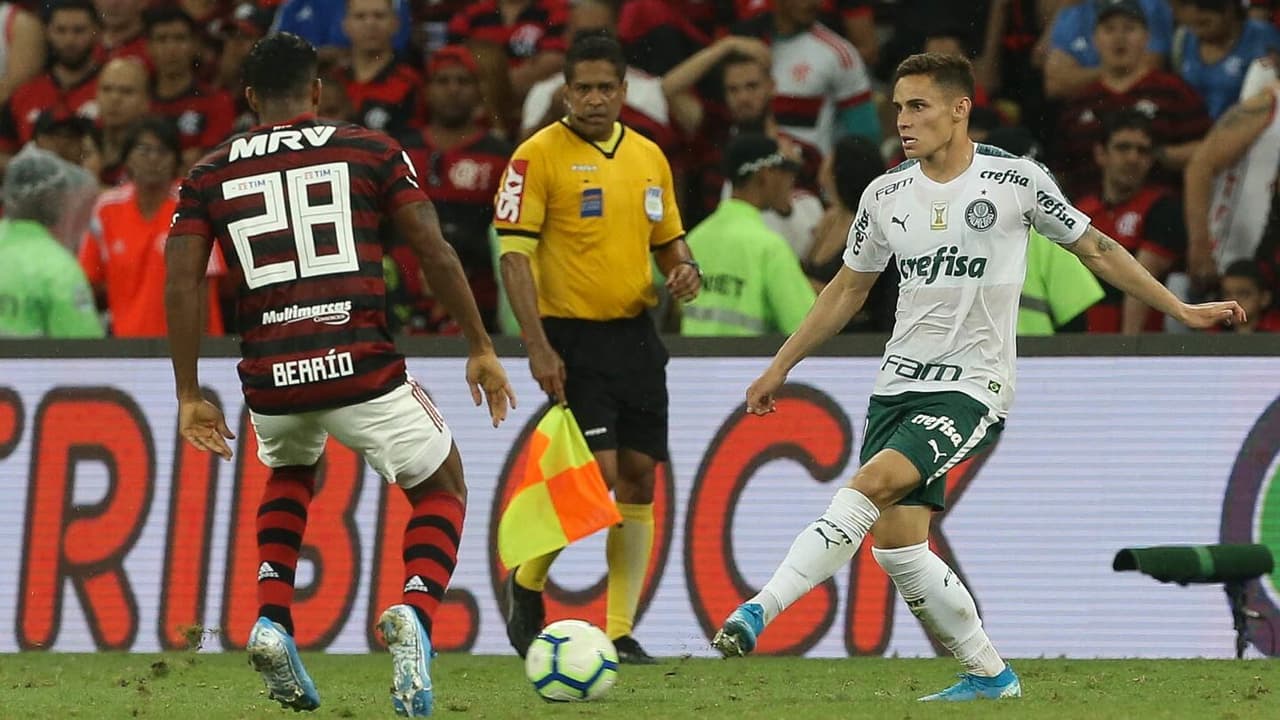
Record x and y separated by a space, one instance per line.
752 281
43 291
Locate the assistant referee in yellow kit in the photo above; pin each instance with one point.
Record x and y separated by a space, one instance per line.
582 205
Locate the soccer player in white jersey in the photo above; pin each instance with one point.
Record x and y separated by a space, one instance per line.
956 217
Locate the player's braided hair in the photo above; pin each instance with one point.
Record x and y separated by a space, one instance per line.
280 65
946 70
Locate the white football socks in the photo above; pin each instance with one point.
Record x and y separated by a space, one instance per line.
824 547
935 595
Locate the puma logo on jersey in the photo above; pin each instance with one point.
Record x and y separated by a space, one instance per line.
937 454
902 222
267 143
946 261
511 193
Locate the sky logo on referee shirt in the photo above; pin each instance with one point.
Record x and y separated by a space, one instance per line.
512 192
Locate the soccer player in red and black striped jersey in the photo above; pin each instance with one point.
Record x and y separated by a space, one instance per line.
297 205
1144 217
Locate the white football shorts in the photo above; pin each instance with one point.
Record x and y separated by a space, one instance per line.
400 434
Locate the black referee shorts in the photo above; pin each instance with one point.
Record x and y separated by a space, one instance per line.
616 381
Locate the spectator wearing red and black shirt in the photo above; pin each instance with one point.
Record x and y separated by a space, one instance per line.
1178 115
70 83
460 165
248 24
123 30
384 91
211 18
531 31
1144 218
748 105
123 99
658 35
855 18
201 113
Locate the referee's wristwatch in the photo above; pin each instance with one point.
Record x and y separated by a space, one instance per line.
693 264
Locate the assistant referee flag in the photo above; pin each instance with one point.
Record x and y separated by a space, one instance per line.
562 496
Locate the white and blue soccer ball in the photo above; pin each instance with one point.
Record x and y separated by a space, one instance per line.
571 661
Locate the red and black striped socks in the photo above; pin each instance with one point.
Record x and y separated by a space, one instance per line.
282 519
431 551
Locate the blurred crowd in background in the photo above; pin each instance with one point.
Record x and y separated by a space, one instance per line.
1156 116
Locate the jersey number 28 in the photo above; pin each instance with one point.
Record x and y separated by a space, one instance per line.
300 215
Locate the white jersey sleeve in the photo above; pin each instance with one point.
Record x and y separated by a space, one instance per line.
1051 214
867 249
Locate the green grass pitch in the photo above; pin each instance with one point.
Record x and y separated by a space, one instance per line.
215 686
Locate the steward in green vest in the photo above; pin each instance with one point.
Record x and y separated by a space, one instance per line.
752 283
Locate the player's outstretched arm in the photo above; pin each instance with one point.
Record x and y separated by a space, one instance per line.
836 305
200 422
418 224
1111 262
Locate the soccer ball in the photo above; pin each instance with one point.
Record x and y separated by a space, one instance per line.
571 660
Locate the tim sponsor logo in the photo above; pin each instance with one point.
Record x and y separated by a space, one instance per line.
330 366
336 313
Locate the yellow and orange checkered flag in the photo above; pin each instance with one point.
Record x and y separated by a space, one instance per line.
562 496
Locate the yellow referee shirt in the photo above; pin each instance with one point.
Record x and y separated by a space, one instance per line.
588 214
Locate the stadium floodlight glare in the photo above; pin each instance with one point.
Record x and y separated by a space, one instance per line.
1235 566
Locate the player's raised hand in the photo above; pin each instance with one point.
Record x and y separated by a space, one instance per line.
201 423
760 394
488 381
1211 314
